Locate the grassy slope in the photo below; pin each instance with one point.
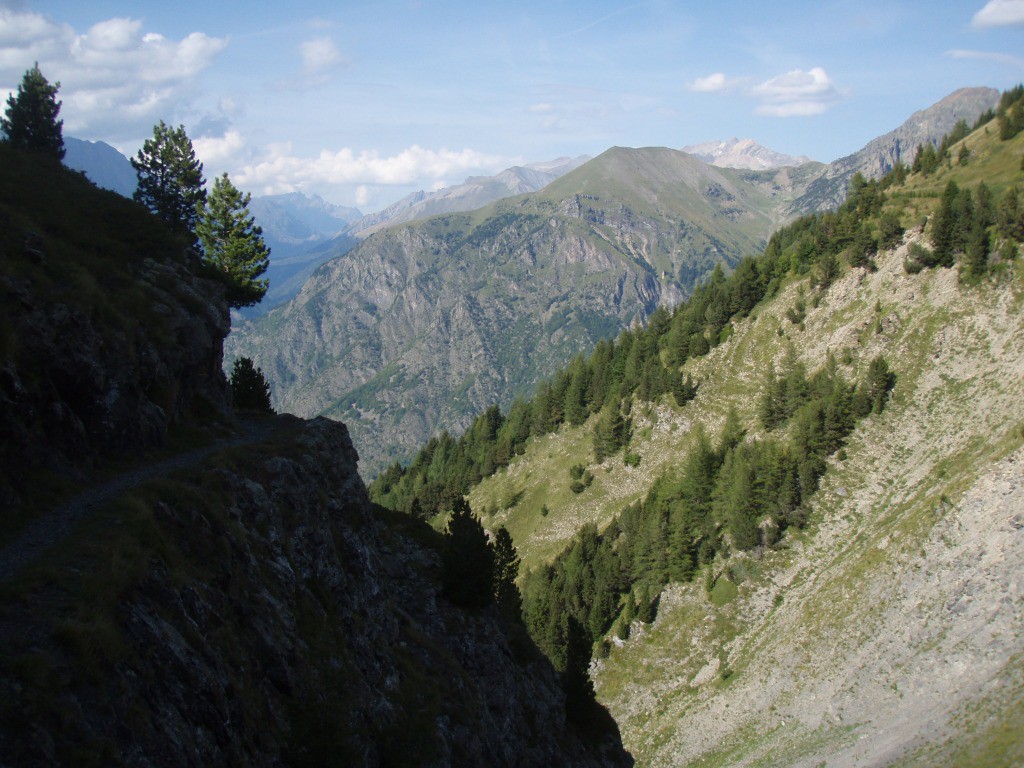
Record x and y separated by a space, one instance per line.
817 657
854 640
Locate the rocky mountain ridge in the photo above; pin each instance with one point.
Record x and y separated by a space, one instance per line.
880 155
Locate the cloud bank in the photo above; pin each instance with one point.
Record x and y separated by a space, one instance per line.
282 171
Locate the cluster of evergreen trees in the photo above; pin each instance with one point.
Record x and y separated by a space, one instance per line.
478 572
732 496
966 228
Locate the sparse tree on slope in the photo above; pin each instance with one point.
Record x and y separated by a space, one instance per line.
170 178
31 119
232 243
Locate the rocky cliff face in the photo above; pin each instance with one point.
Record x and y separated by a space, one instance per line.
267 616
108 341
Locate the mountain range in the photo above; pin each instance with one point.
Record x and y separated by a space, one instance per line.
423 324
474 192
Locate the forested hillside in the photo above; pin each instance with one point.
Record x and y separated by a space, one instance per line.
695 453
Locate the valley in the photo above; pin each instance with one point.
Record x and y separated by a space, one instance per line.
674 464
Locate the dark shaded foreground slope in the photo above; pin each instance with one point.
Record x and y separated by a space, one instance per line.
259 612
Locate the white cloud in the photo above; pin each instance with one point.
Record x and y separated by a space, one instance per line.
281 171
116 80
219 151
796 93
1002 58
319 54
714 83
1000 13
362 195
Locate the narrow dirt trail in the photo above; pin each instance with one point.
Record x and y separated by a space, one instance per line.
41 534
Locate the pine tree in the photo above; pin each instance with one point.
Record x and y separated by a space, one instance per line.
249 387
579 689
30 121
170 178
232 243
506 571
611 431
946 226
468 560
684 389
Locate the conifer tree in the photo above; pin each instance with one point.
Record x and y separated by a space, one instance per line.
232 243
30 122
468 560
170 178
506 571
684 389
611 431
579 689
249 387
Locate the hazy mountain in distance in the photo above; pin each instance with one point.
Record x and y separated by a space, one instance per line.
294 222
103 165
742 153
475 192
301 231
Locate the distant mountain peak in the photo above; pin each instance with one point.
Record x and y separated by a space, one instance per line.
474 192
742 153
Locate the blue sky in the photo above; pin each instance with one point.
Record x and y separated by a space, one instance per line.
364 102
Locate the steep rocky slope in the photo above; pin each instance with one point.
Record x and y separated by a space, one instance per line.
887 632
259 612
424 324
242 606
